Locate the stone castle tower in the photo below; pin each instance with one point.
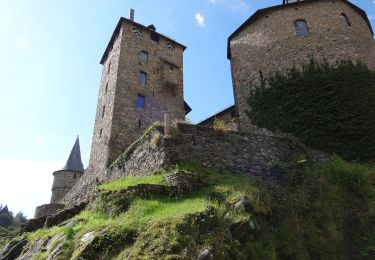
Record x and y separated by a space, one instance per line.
280 37
142 79
64 179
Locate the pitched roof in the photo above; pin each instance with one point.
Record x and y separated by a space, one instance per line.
74 162
117 30
217 114
259 12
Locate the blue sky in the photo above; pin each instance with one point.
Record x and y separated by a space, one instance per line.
50 73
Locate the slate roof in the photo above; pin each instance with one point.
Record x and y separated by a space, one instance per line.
117 30
74 162
259 12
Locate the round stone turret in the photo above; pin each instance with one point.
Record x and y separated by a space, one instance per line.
65 178
278 38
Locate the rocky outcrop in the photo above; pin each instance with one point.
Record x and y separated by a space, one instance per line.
52 220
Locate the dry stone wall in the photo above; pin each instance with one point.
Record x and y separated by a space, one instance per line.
228 151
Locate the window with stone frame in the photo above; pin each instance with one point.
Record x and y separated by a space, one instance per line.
142 77
141 101
345 20
143 57
171 46
301 29
137 31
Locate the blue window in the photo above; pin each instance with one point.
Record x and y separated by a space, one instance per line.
142 77
141 101
301 28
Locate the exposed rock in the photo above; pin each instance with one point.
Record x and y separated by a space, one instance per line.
56 251
185 180
47 209
13 249
63 215
119 201
52 220
243 202
39 246
103 244
206 255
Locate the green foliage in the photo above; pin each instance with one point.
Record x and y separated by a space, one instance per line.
297 211
219 125
328 107
40 256
6 217
127 181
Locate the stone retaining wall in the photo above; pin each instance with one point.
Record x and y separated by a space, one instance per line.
227 151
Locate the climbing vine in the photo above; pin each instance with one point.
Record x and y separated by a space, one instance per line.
330 107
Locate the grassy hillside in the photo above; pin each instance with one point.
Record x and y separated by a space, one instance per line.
298 211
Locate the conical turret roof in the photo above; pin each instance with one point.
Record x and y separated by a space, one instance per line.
74 162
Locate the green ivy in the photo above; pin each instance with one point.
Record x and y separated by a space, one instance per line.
328 107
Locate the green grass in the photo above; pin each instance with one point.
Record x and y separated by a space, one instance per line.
303 212
127 181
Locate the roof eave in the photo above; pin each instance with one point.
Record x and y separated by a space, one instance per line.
117 30
260 11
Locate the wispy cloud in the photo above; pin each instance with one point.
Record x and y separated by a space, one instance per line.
235 6
39 141
26 184
22 44
200 20
370 17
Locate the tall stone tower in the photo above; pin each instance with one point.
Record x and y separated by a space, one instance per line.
64 179
142 79
287 35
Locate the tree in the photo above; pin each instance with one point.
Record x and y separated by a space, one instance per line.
19 219
6 217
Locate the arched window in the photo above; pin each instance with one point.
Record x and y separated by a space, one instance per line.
345 19
301 28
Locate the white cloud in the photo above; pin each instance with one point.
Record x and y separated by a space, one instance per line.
370 17
235 6
26 184
22 44
39 141
200 20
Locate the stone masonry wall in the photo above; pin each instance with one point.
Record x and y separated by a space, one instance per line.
47 209
104 111
63 181
227 151
231 151
269 44
119 121
147 158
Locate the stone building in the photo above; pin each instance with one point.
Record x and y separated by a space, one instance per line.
64 179
281 37
228 116
142 79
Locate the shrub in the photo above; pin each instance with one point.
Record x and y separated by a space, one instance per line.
328 107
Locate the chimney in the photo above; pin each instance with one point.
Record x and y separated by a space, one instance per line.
131 14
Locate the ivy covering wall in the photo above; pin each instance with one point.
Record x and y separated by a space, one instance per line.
328 107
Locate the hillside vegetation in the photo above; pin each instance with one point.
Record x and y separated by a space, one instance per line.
297 211
328 107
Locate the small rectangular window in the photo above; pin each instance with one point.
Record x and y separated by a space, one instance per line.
143 57
141 101
142 77
155 37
